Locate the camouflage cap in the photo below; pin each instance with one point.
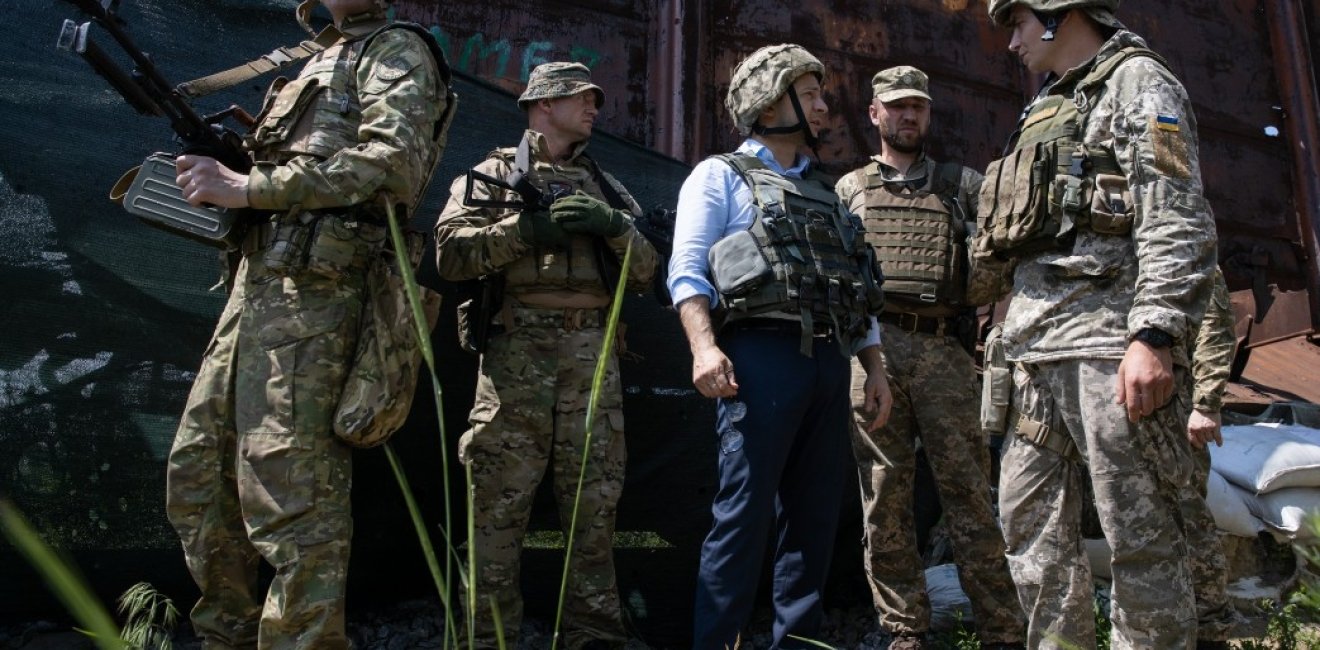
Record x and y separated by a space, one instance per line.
898 82
762 78
558 79
1101 11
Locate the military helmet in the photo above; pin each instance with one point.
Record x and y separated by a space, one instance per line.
558 79
303 12
1101 11
762 78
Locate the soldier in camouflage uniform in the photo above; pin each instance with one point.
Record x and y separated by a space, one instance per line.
256 472
536 374
906 200
1212 358
1097 216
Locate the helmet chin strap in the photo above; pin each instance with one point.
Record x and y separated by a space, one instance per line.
812 140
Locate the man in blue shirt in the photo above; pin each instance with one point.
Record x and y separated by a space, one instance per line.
775 287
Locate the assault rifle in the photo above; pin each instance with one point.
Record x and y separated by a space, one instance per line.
149 192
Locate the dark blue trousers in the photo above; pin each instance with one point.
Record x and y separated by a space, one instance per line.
787 476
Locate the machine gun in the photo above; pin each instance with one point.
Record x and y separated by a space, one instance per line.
149 192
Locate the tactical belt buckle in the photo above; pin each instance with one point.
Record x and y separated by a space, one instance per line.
1042 435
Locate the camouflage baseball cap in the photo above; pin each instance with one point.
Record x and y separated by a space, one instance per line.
762 78
1101 11
898 82
559 79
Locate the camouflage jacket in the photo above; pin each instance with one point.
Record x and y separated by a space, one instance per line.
1086 302
852 191
474 241
318 145
1212 358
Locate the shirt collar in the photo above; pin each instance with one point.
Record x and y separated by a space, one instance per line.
919 169
752 147
541 151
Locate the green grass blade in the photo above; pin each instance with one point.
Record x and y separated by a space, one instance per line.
602 362
443 577
61 579
814 642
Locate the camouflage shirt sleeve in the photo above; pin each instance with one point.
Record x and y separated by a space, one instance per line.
401 98
644 257
471 241
1212 357
848 187
1173 233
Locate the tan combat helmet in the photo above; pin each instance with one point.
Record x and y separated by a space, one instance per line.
762 78
304 12
1101 11
558 79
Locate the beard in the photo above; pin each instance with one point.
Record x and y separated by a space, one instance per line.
903 143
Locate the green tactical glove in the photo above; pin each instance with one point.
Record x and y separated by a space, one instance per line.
536 229
587 215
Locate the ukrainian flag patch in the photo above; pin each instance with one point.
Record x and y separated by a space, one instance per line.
1167 123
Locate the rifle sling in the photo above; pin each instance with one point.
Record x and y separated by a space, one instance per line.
280 57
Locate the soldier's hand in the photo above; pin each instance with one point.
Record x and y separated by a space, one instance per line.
205 181
1203 427
879 399
584 214
712 373
1145 379
536 229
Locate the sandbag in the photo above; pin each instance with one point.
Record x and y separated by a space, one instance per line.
949 604
1267 457
1228 504
1285 511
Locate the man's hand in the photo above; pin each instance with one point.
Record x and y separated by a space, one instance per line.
712 373
1203 427
879 399
207 182
584 214
1145 379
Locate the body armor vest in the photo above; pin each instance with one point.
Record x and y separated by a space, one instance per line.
803 255
919 237
1036 197
318 113
583 266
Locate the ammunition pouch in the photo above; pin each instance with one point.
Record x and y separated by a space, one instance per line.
149 193
996 386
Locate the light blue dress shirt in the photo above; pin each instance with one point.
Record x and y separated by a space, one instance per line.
714 203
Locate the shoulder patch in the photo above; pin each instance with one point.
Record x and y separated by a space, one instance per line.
393 68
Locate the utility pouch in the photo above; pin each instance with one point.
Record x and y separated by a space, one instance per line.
737 266
379 389
1111 205
149 193
338 244
287 252
996 385
1014 206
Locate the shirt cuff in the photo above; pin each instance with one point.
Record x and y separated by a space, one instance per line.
681 289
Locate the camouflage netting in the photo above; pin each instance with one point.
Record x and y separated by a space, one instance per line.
105 320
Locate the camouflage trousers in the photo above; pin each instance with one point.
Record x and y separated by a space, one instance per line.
1135 472
935 398
256 470
1215 615
530 412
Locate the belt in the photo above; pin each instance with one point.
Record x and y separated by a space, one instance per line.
778 326
933 325
1042 435
569 318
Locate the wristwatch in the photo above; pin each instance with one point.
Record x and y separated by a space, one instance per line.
1154 337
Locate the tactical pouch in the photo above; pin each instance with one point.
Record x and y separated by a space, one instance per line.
149 193
287 252
1013 207
1111 205
338 245
737 266
379 389
996 385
